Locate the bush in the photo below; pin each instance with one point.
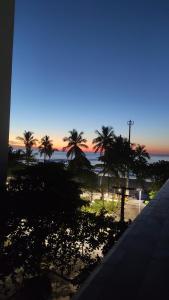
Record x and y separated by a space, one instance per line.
97 206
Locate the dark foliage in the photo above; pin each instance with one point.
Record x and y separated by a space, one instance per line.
118 158
159 173
15 159
44 188
42 229
79 164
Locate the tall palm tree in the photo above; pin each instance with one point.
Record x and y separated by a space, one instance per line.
75 143
140 163
104 139
46 147
118 157
102 143
29 141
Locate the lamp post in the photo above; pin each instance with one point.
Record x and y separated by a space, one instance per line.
140 191
122 191
6 47
129 123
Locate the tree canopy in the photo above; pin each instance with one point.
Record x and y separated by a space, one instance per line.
75 143
46 147
104 139
29 141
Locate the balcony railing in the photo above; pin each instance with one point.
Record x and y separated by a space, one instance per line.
138 266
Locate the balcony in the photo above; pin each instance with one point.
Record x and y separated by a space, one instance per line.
138 266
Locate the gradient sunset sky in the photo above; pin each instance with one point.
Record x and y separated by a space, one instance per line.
86 63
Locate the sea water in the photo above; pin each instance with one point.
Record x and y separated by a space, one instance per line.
60 156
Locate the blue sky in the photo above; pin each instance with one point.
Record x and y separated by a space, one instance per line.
87 63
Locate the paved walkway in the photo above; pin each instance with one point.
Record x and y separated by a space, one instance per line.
133 207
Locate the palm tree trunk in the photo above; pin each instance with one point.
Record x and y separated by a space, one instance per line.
122 206
6 45
27 157
108 184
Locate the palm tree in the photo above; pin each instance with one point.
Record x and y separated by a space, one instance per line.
46 147
102 143
29 141
118 157
104 139
75 143
141 153
140 162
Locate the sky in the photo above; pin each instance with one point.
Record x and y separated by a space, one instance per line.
86 63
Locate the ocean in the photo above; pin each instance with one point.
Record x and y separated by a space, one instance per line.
93 157
61 156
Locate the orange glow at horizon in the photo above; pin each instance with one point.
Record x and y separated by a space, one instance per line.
57 143
158 150
152 147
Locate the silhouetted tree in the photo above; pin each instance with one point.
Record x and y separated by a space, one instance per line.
42 229
29 141
44 187
104 139
89 181
75 143
46 147
15 155
34 245
118 158
79 163
15 158
102 143
159 173
141 153
140 163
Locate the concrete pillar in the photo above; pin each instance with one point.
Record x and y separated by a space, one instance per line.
6 45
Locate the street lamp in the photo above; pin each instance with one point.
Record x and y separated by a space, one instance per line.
130 123
122 191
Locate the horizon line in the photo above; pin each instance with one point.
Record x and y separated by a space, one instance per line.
152 153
